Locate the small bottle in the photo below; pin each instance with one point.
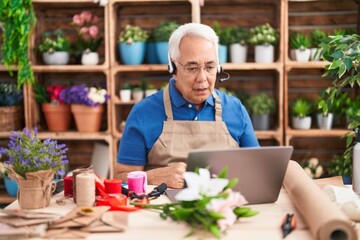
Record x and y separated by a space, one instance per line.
356 164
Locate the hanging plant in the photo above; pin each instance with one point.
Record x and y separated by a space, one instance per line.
18 19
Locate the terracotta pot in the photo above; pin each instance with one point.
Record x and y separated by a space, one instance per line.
87 118
57 116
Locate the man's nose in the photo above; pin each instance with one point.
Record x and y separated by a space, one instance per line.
202 74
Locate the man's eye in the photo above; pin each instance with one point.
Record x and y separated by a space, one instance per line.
192 69
209 68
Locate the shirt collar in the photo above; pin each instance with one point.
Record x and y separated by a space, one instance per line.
179 101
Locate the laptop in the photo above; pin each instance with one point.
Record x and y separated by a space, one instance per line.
260 170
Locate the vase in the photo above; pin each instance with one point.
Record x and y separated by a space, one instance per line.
162 49
264 53
132 54
35 189
238 53
90 58
57 116
56 58
150 53
87 118
222 53
11 186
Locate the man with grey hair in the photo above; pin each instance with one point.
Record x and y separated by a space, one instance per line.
188 114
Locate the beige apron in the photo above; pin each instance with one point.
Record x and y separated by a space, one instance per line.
179 137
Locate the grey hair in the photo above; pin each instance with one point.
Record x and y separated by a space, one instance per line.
191 29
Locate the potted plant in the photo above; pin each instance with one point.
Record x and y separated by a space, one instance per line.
54 48
313 168
300 43
10 184
261 106
317 36
88 37
125 92
86 104
33 163
352 109
57 113
162 34
150 90
18 19
301 110
238 44
150 50
225 35
264 37
341 165
137 93
11 107
325 116
132 43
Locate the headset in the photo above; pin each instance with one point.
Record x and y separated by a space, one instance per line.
219 69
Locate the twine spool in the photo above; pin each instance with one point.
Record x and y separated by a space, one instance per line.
85 190
75 173
137 181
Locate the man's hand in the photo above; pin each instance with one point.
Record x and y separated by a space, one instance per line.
172 175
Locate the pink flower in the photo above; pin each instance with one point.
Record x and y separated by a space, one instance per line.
93 31
84 32
86 16
77 20
225 206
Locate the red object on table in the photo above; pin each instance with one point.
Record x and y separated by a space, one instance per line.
112 186
68 186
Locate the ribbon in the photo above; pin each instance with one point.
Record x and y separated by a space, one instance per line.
113 186
137 181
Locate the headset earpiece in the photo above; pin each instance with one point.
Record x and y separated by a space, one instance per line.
171 66
219 68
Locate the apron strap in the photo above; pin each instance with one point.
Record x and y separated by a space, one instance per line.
167 103
168 109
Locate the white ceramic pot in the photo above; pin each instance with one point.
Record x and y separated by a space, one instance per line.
90 58
325 122
302 55
125 95
301 123
264 53
315 54
238 53
292 54
149 92
137 95
56 58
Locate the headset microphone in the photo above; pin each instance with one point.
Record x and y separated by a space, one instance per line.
225 78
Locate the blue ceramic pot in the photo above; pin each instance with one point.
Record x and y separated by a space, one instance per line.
162 49
347 180
150 53
132 54
11 186
222 54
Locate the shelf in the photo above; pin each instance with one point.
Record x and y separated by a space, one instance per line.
70 68
316 133
75 135
253 66
308 65
140 68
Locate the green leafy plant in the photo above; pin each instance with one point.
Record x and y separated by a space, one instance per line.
324 105
340 165
53 42
10 94
263 34
352 109
317 36
224 33
48 94
211 211
301 107
261 104
299 40
239 35
18 18
133 34
126 86
164 30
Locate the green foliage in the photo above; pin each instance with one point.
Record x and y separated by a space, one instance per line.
18 18
54 41
164 30
263 34
133 34
299 40
352 109
224 33
40 94
239 35
10 94
261 104
317 36
340 165
301 107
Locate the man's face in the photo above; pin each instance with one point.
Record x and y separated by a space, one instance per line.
196 69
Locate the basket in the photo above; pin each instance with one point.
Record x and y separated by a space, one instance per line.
11 118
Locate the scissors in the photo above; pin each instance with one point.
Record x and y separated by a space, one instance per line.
288 224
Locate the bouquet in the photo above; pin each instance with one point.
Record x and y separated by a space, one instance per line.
48 94
27 153
88 32
80 94
207 203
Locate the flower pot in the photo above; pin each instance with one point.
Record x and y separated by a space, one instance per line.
261 122
125 95
56 58
292 54
264 53
137 95
223 54
87 118
301 123
149 92
11 186
238 53
302 55
132 54
57 116
315 54
150 53
162 49
90 58
11 118
325 122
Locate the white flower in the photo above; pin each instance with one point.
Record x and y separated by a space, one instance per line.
308 172
97 95
199 185
313 163
226 207
319 171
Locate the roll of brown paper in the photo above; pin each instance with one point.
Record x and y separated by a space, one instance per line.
324 219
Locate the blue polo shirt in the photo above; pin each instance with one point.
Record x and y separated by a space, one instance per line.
145 122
